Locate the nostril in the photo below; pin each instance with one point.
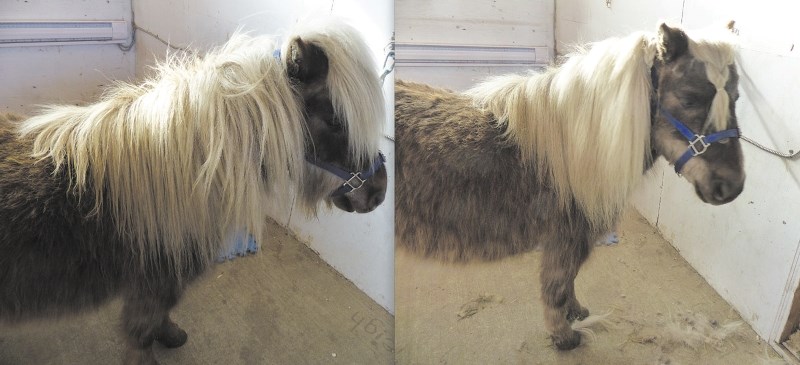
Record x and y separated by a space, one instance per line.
722 191
725 190
375 200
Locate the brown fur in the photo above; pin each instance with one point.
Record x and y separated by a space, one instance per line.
59 236
444 137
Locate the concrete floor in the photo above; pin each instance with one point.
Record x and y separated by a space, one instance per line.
286 306
281 306
642 281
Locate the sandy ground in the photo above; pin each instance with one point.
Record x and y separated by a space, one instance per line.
281 306
490 313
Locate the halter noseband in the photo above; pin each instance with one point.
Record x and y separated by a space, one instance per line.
352 180
698 143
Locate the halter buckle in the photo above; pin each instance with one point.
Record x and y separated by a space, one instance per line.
353 180
701 139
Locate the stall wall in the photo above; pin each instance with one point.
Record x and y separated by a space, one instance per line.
748 249
358 246
60 74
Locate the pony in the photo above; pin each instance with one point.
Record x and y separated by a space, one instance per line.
136 194
548 160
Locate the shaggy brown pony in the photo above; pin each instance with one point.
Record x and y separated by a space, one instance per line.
549 159
137 194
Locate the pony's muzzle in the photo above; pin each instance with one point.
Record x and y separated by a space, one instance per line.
721 188
370 194
724 191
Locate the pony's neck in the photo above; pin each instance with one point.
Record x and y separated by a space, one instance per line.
651 155
583 125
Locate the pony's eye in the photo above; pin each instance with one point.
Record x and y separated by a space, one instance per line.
689 102
334 123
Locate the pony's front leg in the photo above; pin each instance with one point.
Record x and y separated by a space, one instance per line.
170 335
145 319
575 311
560 265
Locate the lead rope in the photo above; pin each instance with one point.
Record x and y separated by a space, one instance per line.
791 154
388 61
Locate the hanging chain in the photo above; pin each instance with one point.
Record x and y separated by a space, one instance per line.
791 154
388 62
388 67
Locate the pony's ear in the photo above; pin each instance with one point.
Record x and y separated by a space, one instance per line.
673 42
307 62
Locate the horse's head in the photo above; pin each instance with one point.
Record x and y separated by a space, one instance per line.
694 113
344 165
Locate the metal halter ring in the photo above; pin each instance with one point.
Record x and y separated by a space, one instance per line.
357 178
699 138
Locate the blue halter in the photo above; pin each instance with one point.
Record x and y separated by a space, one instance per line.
698 143
352 180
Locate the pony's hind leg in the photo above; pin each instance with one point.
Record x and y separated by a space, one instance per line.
560 265
145 319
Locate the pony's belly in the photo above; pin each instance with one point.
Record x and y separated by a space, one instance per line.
37 284
469 223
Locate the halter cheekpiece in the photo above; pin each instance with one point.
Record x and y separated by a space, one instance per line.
698 143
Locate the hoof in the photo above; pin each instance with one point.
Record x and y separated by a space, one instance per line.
171 336
568 342
579 314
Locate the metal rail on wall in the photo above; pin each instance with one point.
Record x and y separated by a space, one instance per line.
18 33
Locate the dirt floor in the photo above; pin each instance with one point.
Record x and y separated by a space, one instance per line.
281 306
490 313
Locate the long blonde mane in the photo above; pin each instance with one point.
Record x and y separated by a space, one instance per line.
353 83
584 125
189 156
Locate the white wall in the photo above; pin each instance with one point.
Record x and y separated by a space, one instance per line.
359 246
748 249
60 74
